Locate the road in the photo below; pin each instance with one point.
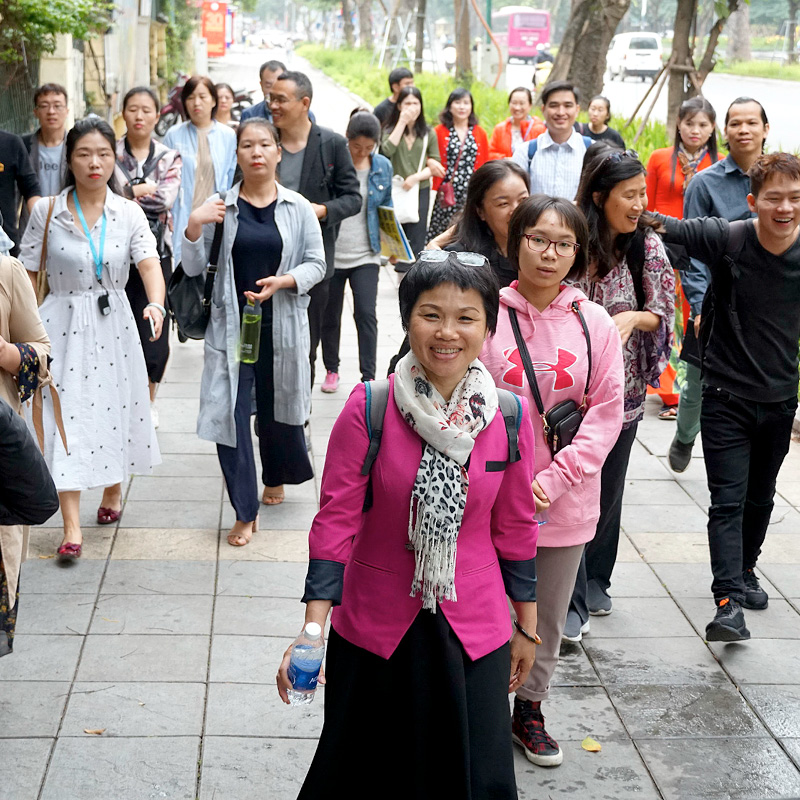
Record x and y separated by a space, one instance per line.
779 98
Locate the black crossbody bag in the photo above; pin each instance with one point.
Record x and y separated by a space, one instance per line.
562 421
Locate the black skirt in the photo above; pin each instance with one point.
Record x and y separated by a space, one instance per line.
8 614
426 723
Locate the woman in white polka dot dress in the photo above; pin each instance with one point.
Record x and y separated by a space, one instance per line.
93 236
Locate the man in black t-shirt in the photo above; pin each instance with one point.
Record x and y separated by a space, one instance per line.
398 79
16 175
749 375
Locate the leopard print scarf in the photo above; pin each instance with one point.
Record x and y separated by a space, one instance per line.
439 496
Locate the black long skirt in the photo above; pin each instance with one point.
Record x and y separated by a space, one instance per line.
426 723
156 354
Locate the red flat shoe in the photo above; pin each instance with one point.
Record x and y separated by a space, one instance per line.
69 551
105 516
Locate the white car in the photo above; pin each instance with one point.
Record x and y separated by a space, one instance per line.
638 53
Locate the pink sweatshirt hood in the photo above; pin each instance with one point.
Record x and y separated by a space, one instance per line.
558 350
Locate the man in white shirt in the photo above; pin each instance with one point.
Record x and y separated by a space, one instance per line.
554 159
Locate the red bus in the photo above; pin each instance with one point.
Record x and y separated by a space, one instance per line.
519 29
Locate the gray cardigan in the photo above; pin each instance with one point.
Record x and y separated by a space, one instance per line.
304 256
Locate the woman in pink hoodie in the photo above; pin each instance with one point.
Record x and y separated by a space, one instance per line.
547 243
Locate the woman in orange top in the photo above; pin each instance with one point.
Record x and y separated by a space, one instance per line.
669 172
519 127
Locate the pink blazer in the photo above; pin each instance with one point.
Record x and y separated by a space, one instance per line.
496 543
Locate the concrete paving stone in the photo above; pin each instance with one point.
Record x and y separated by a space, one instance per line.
778 621
153 614
239 768
172 514
136 709
664 519
181 374
679 548
647 468
283 517
615 773
247 659
90 500
146 488
574 667
574 712
675 712
134 658
183 465
641 618
298 493
639 492
767 660
29 757
180 443
696 471
713 769
258 579
172 420
55 613
240 709
159 577
267 545
793 749
166 544
780 548
784 519
784 577
789 491
626 552
47 576
635 579
41 657
679 660
189 391
258 616
134 769
778 706
693 580
698 491
31 708
44 542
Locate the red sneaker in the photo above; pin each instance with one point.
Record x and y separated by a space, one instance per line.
527 730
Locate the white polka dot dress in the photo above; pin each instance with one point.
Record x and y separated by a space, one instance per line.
98 365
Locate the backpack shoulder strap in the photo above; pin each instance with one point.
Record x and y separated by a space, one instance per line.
511 409
377 402
532 147
587 140
738 231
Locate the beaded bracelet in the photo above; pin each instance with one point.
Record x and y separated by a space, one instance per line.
535 638
159 307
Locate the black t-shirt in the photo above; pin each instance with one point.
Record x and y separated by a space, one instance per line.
16 173
497 261
256 252
609 135
383 110
755 356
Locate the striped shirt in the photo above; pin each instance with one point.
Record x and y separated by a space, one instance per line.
555 169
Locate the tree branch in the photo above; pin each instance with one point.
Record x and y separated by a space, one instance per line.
708 61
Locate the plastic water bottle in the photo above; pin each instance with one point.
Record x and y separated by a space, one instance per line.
543 516
251 333
306 660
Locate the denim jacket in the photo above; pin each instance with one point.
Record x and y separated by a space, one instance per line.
379 193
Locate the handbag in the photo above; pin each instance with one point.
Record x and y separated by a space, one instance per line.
447 192
406 201
562 421
42 284
189 298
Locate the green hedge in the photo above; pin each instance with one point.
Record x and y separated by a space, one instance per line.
354 70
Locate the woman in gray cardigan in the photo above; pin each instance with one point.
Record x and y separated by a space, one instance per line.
271 252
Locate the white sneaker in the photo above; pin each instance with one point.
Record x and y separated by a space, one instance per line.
154 414
574 630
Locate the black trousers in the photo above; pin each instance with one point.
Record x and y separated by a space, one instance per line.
364 283
284 457
600 554
744 444
156 354
316 315
416 232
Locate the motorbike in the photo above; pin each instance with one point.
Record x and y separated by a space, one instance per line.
172 111
242 99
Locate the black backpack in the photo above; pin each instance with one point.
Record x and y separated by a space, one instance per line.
378 401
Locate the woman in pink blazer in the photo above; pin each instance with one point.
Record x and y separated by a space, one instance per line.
422 651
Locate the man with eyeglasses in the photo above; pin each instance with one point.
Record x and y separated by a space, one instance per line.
47 144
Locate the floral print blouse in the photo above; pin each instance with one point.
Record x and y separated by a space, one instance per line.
646 353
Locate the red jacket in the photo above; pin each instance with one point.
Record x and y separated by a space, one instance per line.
443 135
665 188
500 145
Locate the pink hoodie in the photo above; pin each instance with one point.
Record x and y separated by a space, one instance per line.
557 347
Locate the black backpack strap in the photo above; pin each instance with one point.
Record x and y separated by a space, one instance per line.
151 165
736 237
576 307
377 402
528 366
511 409
213 259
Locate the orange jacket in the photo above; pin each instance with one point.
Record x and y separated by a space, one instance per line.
663 194
443 135
500 145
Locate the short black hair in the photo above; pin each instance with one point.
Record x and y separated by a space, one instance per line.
141 90
363 123
272 66
83 127
261 122
301 82
521 89
49 88
427 275
399 74
446 115
560 86
192 84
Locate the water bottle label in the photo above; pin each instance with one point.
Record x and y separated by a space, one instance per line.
302 680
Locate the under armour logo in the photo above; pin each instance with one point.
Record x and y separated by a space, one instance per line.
513 376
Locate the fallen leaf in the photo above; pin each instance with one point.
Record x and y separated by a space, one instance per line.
591 745
109 620
53 556
95 731
141 704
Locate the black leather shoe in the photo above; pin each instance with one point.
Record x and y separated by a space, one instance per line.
728 624
679 455
755 598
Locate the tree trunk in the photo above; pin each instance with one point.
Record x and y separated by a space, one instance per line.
709 62
365 23
420 38
581 57
791 56
347 23
463 54
684 15
739 35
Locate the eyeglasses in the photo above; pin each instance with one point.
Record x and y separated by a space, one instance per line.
50 106
440 256
617 156
540 244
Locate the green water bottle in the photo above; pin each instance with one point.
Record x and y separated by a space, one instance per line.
251 333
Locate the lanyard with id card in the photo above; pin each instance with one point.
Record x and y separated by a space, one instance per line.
103 302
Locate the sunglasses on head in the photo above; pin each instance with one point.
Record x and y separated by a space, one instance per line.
440 256
618 155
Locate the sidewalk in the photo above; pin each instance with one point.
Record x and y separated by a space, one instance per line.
168 640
